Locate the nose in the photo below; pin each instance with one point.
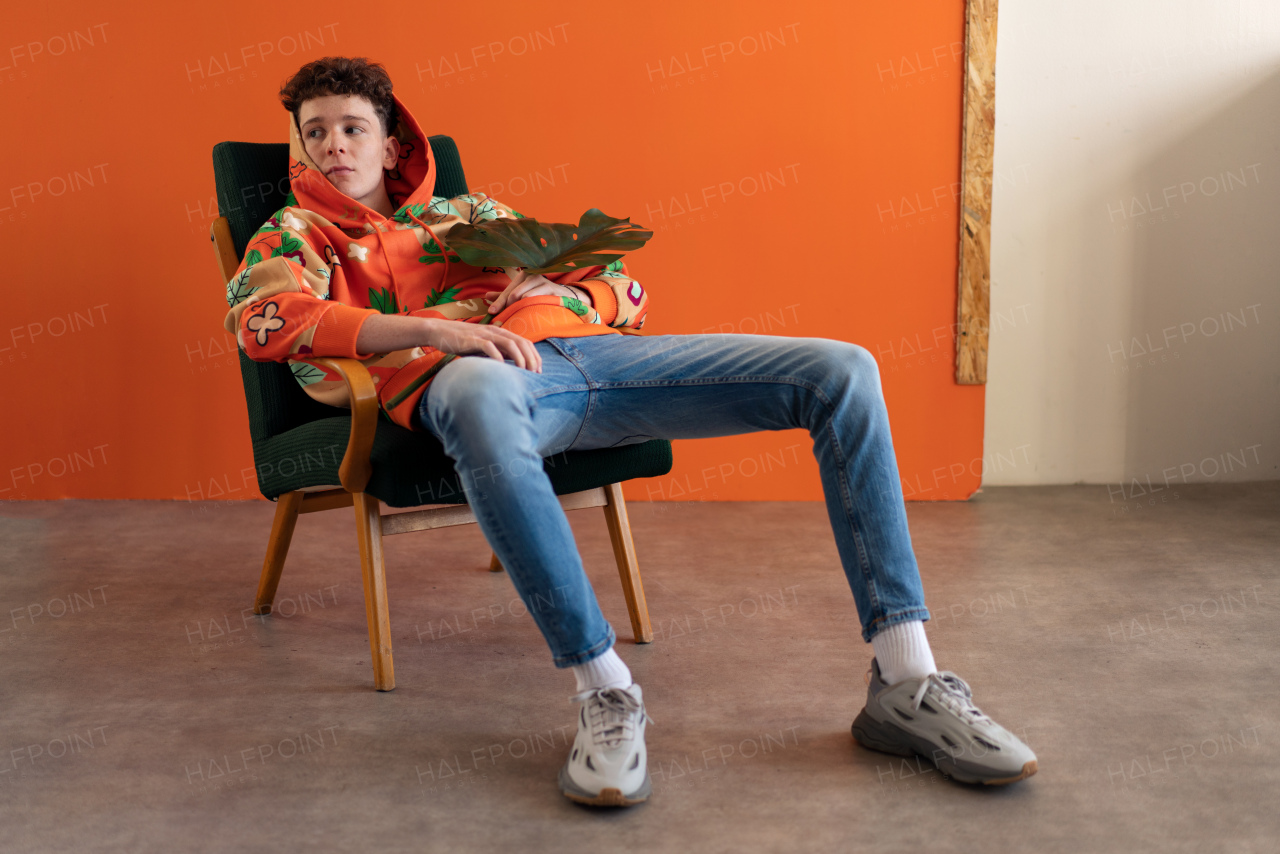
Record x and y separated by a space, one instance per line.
335 143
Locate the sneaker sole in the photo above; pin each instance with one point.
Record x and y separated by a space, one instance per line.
607 797
888 738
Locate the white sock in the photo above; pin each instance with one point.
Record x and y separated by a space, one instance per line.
902 650
603 671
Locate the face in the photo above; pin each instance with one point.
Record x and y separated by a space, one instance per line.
343 136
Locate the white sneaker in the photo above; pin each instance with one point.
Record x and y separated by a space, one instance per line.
608 765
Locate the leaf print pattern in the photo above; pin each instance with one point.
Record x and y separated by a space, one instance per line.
484 210
576 306
437 297
262 325
291 248
403 216
434 255
306 374
384 301
238 288
441 207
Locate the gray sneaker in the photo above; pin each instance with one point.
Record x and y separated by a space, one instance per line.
935 717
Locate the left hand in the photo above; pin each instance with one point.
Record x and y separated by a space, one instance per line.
528 286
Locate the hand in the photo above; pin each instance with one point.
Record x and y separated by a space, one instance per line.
527 286
455 336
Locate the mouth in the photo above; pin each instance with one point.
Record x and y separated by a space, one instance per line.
340 170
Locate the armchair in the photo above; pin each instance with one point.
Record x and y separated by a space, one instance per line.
311 457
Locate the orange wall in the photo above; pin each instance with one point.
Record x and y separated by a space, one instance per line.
798 159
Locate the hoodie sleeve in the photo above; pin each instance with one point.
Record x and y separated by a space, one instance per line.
279 298
619 299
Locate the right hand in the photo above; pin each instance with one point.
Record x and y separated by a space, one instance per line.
456 336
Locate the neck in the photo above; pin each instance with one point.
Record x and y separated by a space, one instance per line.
379 201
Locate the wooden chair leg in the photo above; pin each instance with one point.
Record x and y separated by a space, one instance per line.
495 565
369 533
624 551
287 507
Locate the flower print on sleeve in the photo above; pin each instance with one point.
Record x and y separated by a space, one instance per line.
264 323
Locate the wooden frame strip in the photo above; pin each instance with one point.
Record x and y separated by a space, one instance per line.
973 304
462 514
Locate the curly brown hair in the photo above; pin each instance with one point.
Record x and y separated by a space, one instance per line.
340 75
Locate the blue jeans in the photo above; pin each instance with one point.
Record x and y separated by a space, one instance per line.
498 421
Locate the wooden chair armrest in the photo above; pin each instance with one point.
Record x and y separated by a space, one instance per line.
356 468
224 248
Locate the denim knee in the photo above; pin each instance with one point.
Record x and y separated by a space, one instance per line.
473 392
842 366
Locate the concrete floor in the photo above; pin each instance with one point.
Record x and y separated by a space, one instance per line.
1133 646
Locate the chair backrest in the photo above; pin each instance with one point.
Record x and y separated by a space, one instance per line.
252 181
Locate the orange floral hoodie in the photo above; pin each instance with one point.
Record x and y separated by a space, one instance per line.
324 263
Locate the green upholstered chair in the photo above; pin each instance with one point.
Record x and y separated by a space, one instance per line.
312 457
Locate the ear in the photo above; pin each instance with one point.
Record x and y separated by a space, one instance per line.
390 153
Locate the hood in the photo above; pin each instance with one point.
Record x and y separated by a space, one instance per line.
412 181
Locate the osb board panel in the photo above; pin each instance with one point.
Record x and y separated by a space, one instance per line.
974 304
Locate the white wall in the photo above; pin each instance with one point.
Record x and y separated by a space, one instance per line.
1137 196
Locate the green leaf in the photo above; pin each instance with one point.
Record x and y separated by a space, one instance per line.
384 301
254 257
486 210
288 244
540 247
440 206
438 297
434 255
238 288
404 214
306 374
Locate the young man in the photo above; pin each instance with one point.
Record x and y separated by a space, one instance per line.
357 264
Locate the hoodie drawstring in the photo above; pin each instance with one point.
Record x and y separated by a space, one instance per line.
386 257
444 250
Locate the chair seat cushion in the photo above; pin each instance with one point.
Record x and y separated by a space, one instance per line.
410 468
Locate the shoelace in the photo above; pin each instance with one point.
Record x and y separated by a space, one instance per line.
613 714
953 692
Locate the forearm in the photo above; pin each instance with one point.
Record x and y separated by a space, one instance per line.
383 333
